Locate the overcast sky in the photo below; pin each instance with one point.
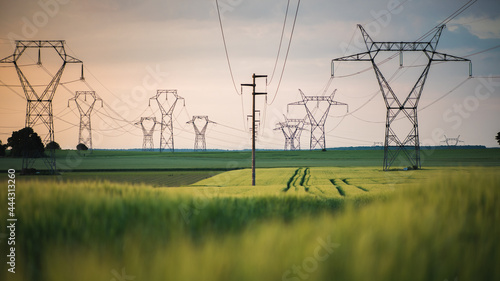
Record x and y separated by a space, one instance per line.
131 48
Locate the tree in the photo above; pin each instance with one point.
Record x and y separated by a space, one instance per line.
53 145
25 142
81 146
498 137
3 147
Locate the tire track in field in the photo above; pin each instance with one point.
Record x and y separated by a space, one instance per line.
299 179
347 182
341 190
338 187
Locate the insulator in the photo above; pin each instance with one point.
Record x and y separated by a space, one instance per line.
39 62
82 77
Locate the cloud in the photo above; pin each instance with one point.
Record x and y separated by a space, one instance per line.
482 27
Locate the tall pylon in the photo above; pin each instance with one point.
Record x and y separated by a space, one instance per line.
292 130
39 106
147 143
167 120
394 144
452 141
85 106
200 143
318 125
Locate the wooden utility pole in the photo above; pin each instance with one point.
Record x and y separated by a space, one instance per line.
253 85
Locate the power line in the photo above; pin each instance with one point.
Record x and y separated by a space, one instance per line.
287 52
448 19
421 109
483 51
225 47
281 41
12 90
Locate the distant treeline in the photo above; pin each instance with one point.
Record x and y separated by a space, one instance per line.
332 148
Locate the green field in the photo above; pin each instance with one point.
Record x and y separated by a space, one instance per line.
331 216
70 160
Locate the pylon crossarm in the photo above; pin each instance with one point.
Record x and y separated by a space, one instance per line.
446 57
9 59
71 59
365 56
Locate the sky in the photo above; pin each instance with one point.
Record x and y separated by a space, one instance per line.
132 48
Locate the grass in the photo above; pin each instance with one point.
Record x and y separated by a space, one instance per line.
431 224
152 178
104 217
137 160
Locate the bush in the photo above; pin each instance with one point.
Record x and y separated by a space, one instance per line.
82 146
26 142
3 147
53 146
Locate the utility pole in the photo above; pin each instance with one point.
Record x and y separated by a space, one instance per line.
257 124
147 143
200 143
85 108
318 125
394 144
39 106
167 121
253 85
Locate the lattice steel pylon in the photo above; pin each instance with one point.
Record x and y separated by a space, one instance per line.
167 121
292 130
147 143
318 126
393 144
85 108
452 141
200 143
39 106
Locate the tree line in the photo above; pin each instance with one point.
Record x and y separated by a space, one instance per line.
27 143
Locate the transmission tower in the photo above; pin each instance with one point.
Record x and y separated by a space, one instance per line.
167 121
39 106
394 144
85 108
318 126
452 141
147 143
199 141
292 129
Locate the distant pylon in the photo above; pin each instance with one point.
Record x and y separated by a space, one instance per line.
85 108
452 141
167 120
39 106
200 143
318 126
396 143
147 143
292 129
